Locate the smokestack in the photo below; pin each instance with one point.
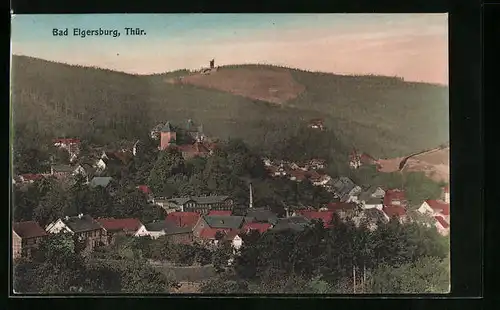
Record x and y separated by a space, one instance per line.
251 197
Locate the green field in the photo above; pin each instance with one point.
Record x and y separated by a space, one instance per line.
383 116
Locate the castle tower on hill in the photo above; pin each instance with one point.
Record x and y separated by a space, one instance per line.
167 136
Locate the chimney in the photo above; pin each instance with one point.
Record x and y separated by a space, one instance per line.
251 197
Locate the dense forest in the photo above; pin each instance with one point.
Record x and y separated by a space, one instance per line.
382 116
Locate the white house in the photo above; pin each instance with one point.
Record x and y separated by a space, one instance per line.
100 164
434 208
153 230
267 162
237 242
323 180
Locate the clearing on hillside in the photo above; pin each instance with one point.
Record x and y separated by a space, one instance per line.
435 164
270 85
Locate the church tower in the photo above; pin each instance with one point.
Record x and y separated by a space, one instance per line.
167 136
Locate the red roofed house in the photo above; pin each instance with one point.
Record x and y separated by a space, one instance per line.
145 189
343 209
115 227
435 207
192 150
220 212
183 219
260 227
395 204
30 178
325 216
26 236
208 235
442 225
297 175
398 212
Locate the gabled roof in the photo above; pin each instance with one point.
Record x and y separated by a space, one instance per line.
111 224
230 222
261 215
29 229
81 224
442 221
291 223
325 216
261 227
394 195
167 227
183 219
439 206
396 211
209 233
145 189
341 206
167 128
219 213
32 177
100 181
156 226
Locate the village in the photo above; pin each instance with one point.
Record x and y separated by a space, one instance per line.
210 219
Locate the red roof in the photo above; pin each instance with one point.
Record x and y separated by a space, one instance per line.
32 177
442 221
325 216
183 219
28 229
209 233
298 174
393 196
195 148
439 206
336 206
396 211
223 213
145 189
261 227
231 234
111 224
67 141
314 175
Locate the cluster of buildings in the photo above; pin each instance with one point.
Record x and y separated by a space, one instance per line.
92 166
210 219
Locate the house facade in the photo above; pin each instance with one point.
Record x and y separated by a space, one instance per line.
201 205
83 227
26 237
117 227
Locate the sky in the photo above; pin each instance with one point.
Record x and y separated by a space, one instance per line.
412 46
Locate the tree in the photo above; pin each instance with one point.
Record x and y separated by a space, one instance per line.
427 275
170 162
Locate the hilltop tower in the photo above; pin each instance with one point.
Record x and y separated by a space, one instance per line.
167 136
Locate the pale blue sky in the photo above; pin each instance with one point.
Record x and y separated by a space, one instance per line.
323 42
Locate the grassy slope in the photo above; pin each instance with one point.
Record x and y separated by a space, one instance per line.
380 117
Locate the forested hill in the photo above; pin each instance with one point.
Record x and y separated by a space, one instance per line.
383 116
